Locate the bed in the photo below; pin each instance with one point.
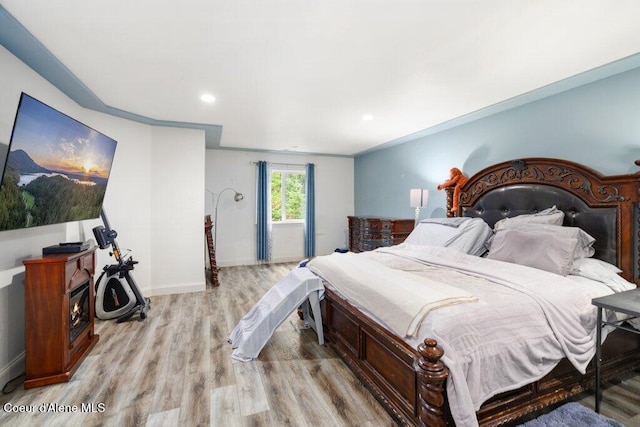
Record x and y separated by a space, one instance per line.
411 380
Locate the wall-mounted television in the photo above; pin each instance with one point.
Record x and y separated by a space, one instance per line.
56 169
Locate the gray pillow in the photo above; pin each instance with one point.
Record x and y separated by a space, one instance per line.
584 248
550 215
545 251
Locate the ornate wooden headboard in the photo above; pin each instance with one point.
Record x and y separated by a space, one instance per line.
606 207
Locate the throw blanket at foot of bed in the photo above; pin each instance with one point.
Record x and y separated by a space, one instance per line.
400 299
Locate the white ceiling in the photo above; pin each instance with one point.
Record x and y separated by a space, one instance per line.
299 75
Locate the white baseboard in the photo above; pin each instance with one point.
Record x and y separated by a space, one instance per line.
182 288
12 370
254 262
287 259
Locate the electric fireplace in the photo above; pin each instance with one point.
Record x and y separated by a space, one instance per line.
78 310
59 315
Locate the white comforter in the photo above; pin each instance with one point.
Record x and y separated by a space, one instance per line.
524 322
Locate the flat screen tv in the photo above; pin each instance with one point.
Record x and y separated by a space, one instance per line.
56 169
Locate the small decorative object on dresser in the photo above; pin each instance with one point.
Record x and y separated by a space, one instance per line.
368 233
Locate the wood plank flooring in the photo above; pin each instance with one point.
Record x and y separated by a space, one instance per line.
174 368
621 400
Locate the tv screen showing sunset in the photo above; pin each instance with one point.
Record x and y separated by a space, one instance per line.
56 170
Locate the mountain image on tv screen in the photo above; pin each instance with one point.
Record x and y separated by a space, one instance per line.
56 169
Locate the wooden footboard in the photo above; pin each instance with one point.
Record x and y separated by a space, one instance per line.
410 383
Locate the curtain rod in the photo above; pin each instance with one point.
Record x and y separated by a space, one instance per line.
282 164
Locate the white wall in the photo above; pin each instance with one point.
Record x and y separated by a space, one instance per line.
177 214
154 200
236 236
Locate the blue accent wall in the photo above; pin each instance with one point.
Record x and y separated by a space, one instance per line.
597 124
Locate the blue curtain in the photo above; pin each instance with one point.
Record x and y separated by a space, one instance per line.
264 213
310 214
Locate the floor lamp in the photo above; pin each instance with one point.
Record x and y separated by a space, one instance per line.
418 198
237 197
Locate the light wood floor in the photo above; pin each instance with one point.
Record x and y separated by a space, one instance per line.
174 368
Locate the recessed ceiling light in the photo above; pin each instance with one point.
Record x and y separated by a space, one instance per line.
367 117
207 97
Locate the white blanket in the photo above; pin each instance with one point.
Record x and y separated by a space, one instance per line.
525 321
399 298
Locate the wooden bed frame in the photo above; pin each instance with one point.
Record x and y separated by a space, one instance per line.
410 382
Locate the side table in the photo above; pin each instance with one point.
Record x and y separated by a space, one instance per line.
627 302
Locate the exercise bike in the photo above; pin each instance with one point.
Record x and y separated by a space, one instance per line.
117 295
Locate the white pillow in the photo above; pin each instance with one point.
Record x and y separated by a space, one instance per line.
550 215
467 235
595 266
601 271
584 248
431 234
545 251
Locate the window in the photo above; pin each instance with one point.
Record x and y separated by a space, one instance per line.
288 198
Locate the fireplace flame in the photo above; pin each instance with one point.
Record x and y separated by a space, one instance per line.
75 315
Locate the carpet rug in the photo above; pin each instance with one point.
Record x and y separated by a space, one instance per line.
572 414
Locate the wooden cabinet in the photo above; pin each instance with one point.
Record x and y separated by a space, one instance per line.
59 315
368 233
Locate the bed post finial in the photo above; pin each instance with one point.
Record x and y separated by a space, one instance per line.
431 377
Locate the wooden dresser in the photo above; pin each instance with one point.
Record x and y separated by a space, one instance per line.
367 233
